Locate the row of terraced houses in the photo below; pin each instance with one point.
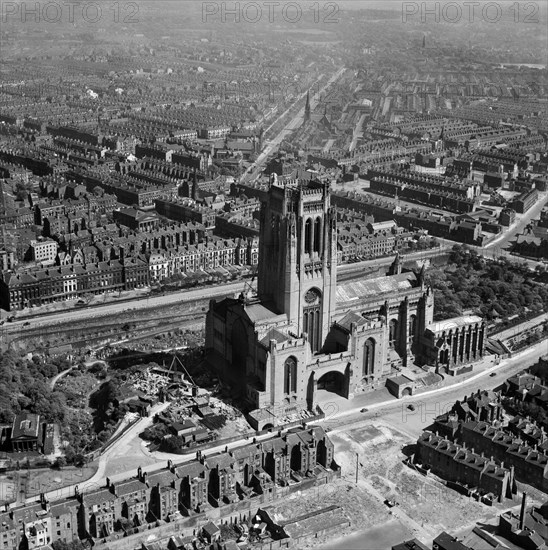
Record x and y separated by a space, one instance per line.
205 488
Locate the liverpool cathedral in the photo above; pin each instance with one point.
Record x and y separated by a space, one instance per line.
302 332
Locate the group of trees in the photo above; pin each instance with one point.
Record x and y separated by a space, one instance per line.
24 387
108 411
491 289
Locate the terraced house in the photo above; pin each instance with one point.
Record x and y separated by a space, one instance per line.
201 489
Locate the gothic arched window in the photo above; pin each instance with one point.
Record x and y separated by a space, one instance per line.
369 357
312 318
392 332
317 234
412 326
290 375
308 236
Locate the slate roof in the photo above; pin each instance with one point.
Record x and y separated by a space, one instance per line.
351 317
273 334
25 425
455 322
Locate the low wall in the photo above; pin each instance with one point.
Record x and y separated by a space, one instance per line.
228 440
485 362
183 527
227 513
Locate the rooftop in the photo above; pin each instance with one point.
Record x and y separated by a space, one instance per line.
454 323
374 287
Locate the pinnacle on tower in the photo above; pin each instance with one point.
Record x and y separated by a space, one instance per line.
396 267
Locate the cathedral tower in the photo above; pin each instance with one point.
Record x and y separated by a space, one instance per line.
298 257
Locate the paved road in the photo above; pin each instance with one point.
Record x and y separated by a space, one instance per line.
432 403
297 120
118 307
522 220
98 480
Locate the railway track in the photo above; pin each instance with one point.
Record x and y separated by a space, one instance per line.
147 327
139 323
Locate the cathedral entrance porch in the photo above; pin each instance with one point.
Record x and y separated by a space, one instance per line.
333 382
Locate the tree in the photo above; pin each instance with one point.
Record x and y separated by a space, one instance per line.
456 255
60 462
79 460
104 396
172 444
69 453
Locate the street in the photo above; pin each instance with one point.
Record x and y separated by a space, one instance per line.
428 404
171 298
297 120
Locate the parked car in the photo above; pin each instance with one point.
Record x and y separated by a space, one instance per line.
411 407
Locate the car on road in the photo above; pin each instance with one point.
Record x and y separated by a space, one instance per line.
26 323
364 410
493 374
391 503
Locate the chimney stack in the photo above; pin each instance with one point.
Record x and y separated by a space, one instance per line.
523 510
